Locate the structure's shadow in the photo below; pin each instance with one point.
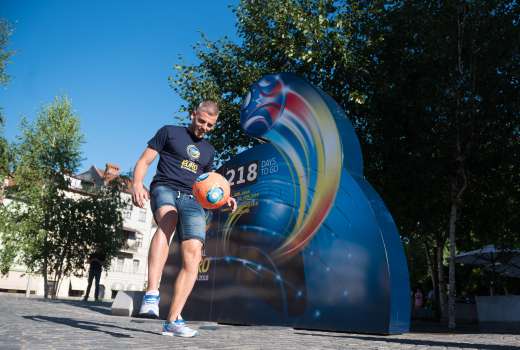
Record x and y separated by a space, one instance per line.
102 307
89 326
466 328
431 343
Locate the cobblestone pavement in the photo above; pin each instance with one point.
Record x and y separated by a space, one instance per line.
68 324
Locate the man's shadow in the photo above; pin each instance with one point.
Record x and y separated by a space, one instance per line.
87 325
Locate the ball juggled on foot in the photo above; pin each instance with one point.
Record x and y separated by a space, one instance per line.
211 190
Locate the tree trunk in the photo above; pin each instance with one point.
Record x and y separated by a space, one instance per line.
28 288
433 268
458 187
45 281
59 271
53 294
459 181
452 286
442 282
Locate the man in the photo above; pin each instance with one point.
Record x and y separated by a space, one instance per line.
183 156
94 272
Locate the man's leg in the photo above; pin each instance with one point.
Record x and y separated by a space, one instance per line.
90 278
192 232
97 276
191 256
166 217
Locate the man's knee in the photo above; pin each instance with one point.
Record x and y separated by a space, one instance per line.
191 254
166 219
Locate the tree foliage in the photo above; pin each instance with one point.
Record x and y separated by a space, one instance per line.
5 54
315 39
5 32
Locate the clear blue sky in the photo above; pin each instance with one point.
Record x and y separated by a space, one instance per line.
112 59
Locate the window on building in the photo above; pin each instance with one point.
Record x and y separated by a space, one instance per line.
120 264
130 240
113 265
142 215
127 210
129 234
75 183
127 214
136 266
138 240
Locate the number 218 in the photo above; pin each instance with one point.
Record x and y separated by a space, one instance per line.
252 174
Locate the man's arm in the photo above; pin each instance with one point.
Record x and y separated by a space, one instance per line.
139 194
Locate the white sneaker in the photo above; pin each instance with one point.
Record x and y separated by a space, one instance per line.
179 329
150 306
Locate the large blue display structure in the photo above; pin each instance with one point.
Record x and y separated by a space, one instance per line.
311 245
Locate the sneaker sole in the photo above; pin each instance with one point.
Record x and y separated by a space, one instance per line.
170 334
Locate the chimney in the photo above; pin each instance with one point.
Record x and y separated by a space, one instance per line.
111 170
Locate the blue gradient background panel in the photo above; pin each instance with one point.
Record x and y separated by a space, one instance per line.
311 245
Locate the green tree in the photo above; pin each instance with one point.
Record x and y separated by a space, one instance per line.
48 228
452 116
5 32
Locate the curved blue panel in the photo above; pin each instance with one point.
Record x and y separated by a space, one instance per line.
311 245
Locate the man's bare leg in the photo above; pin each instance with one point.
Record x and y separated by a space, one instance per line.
191 256
166 217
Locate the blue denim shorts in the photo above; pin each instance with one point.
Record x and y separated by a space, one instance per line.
191 222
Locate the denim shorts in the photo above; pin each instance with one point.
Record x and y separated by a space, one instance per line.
191 222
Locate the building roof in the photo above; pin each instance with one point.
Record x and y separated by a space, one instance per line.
102 177
93 177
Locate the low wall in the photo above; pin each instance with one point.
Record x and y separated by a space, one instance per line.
498 308
466 313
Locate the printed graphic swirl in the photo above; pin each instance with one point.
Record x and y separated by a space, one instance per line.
295 118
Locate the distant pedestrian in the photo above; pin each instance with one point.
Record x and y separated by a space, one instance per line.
96 267
418 299
430 298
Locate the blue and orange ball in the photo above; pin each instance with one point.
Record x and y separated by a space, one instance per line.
211 190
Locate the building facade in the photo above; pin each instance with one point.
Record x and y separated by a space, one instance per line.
128 270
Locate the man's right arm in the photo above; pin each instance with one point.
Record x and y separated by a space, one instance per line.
139 194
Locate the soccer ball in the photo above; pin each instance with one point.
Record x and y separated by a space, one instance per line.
211 190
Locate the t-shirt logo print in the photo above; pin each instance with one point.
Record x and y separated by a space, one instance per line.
194 154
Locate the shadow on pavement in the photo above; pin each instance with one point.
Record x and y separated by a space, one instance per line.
466 328
98 306
89 326
419 342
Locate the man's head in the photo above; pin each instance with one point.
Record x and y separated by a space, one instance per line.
204 118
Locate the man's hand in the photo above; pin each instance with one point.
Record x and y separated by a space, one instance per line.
139 195
232 204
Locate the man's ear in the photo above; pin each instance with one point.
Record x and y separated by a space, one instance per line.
192 116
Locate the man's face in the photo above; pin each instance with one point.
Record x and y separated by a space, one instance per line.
202 122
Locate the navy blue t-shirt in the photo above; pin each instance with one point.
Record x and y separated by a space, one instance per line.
182 157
